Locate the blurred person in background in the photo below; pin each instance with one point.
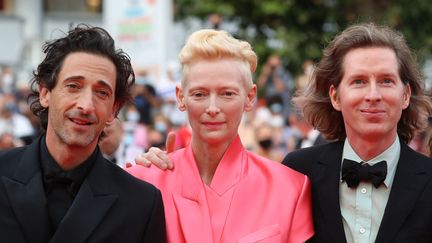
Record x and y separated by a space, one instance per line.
7 81
215 20
8 141
217 190
166 93
135 135
275 81
146 101
13 122
266 144
303 79
307 135
110 140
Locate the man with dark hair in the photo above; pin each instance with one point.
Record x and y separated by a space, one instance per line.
368 185
60 188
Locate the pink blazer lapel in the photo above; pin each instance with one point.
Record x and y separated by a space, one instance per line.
194 219
191 204
231 168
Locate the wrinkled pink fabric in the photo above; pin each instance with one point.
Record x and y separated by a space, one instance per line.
250 199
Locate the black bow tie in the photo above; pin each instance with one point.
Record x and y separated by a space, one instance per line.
354 172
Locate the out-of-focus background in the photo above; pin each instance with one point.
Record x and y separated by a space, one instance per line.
288 36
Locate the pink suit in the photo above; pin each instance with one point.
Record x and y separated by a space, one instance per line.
250 199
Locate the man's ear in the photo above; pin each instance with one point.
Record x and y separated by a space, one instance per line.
180 98
251 98
114 112
334 98
406 96
44 96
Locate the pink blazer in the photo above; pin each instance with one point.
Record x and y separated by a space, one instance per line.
250 199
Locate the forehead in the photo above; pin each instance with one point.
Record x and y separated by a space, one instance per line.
371 59
88 65
216 72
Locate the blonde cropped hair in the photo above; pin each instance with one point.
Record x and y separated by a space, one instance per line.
209 44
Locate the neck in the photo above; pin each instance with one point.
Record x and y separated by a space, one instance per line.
69 157
207 157
367 149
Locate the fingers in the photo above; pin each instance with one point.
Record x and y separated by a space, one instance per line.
170 142
141 159
156 157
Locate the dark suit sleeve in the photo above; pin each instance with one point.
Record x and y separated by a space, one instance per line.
156 230
286 160
291 162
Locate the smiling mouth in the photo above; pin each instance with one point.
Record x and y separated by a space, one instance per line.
213 123
372 111
80 122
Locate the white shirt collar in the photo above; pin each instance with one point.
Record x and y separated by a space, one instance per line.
391 155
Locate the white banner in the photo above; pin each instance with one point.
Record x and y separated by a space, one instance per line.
141 28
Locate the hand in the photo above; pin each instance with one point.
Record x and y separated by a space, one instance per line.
158 157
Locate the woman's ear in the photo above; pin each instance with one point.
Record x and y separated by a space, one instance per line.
251 98
180 98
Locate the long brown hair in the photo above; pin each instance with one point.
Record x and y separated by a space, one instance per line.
315 102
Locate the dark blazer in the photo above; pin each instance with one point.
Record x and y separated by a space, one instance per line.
318 141
408 214
111 205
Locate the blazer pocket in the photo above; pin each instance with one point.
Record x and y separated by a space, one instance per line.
269 234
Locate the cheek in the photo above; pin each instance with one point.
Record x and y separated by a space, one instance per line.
234 111
106 111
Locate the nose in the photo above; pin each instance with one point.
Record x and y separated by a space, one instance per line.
212 108
374 93
85 102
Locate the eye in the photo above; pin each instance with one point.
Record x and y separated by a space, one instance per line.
198 94
358 81
72 86
387 81
103 93
228 93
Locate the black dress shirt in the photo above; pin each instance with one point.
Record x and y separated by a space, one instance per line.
61 186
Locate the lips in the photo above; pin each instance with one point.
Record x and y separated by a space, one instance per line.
372 111
82 122
213 125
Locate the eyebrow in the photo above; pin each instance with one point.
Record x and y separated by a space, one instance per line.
79 77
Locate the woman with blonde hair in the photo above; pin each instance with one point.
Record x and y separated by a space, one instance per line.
219 191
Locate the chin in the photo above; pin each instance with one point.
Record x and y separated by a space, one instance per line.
79 141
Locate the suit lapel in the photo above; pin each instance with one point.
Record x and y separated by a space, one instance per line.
27 196
91 204
194 219
408 183
191 201
325 177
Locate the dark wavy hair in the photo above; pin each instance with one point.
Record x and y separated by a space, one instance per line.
83 38
315 102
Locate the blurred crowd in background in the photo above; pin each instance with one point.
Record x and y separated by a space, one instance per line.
272 130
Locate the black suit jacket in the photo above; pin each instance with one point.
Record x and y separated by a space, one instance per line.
408 214
111 205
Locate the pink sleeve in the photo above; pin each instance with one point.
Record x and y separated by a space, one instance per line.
302 223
